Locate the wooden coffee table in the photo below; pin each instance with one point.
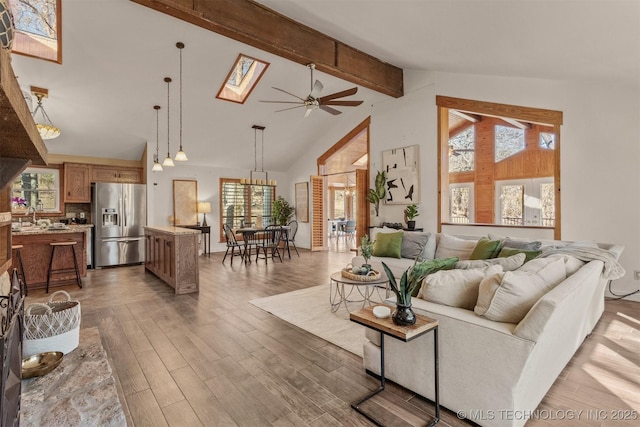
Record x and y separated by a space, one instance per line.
339 295
423 325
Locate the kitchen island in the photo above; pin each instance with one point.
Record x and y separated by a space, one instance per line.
36 253
171 253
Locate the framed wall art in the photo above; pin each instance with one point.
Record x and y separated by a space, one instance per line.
403 179
302 201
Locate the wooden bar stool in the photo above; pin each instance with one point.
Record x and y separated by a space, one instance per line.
21 274
54 245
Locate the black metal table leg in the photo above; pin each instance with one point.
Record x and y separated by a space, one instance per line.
356 405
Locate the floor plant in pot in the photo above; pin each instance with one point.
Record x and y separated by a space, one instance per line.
410 281
282 211
411 212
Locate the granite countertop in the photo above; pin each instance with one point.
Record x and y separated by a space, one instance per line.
169 229
72 228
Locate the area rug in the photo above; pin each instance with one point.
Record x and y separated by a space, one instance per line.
309 309
79 392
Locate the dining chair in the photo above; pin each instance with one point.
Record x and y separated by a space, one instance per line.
232 244
252 241
290 236
350 229
270 243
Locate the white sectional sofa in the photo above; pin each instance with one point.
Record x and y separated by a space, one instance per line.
496 373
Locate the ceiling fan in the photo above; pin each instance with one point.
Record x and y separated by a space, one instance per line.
313 101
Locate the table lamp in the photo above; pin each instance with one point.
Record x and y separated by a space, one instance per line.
204 208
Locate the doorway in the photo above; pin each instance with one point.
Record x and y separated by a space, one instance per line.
343 206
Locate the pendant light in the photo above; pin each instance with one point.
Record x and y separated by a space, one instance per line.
251 180
46 129
181 156
157 167
168 162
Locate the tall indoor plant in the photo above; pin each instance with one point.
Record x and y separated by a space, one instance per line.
375 195
282 211
409 282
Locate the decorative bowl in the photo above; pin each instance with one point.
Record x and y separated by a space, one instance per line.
381 311
40 364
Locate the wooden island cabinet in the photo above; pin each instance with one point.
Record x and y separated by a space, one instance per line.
36 252
171 253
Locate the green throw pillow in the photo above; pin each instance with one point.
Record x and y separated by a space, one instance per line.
430 266
388 245
529 255
485 249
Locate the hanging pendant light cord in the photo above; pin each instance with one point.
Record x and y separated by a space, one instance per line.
157 107
168 80
180 48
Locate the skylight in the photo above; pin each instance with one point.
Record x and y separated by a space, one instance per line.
37 24
242 78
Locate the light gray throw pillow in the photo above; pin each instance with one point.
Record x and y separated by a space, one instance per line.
413 244
451 246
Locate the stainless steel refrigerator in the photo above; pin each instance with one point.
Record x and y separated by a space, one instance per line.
119 215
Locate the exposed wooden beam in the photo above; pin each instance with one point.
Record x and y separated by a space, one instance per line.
516 123
473 118
258 26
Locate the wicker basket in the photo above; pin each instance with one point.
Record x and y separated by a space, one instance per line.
54 326
373 275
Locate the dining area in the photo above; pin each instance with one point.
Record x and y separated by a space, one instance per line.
254 243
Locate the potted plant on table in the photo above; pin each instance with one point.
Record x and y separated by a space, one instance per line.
410 281
366 250
411 212
282 211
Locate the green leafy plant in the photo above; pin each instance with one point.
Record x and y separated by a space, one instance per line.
282 211
411 212
409 282
366 248
375 195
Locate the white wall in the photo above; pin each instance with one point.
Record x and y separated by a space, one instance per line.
599 159
160 192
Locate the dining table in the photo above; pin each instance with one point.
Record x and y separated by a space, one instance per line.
247 231
336 225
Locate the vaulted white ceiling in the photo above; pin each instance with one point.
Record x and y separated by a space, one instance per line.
116 54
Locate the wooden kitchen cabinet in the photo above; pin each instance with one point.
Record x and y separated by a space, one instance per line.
171 253
116 174
77 183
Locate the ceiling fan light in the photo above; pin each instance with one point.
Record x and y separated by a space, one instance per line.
181 156
168 162
157 167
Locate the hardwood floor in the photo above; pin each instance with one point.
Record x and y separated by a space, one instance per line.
214 359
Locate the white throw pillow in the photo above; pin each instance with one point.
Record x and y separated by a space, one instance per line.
450 246
509 299
430 248
508 264
455 288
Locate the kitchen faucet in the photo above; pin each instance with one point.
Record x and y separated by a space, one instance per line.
29 210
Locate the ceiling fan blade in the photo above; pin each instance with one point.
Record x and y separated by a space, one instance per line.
347 92
330 110
288 93
309 110
317 88
344 103
283 102
290 108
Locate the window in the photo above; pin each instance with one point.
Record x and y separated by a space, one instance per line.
513 146
38 188
242 78
547 141
509 141
526 202
461 203
339 203
241 205
37 24
461 151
